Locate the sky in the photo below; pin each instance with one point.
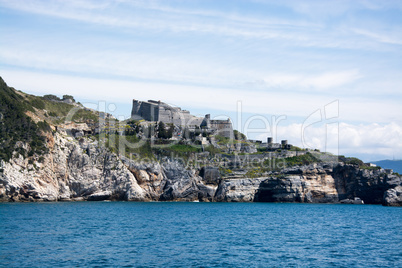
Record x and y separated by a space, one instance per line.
321 74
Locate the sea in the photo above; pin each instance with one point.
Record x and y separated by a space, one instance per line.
180 234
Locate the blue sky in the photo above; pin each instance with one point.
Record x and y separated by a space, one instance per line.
273 58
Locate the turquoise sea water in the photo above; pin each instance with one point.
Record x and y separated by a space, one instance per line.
110 234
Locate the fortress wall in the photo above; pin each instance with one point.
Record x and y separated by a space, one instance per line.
224 127
165 115
162 112
136 108
149 111
196 121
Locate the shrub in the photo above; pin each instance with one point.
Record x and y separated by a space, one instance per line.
68 97
51 97
239 136
301 160
44 126
16 125
351 160
37 103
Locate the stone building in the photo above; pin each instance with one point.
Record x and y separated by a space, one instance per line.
223 127
161 112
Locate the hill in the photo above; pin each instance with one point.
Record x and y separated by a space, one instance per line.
26 120
396 165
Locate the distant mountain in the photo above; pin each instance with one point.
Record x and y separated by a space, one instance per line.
396 165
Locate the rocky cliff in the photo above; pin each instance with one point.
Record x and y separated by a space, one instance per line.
83 170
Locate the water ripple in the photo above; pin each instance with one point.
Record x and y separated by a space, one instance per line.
199 235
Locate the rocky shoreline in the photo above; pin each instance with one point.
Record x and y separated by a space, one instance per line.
82 170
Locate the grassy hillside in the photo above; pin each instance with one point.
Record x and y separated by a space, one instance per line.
16 126
28 118
57 112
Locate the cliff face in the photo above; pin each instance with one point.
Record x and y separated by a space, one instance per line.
70 170
82 170
329 183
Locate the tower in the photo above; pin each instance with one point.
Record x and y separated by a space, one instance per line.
136 110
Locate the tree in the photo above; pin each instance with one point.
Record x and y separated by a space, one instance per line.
239 136
51 97
161 131
16 126
68 97
170 131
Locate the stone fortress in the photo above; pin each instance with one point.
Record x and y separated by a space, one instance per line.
157 111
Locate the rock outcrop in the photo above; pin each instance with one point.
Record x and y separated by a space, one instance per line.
70 170
369 185
74 170
393 197
238 190
316 183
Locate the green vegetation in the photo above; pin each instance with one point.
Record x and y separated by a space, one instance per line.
36 102
351 160
68 97
51 97
225 171
212 150
370 168
295 148
300 160
59 112
255 173
44 126
163 133
181 150
16 126
239 136
129 144
222 140
276 164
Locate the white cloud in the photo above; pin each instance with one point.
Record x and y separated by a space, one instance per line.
168 19
391 37
118 63
158 17
379 141
317 82
274 103
327 9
